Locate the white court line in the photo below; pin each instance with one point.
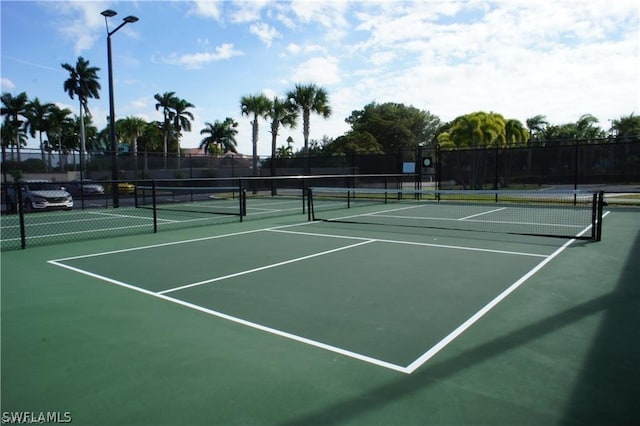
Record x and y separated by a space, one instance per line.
104 253
262 268
254 204
412 243
482 312
266 210
237 320
92 231
406 370
483 213
76 220
504 222
126 216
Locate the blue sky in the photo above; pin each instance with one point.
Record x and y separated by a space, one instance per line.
558 58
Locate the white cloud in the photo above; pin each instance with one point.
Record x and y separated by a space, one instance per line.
296 49
197 60
247 11
207 8
6 84
382 58
329 14
321 70
264 32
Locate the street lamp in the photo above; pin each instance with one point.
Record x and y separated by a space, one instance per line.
112 114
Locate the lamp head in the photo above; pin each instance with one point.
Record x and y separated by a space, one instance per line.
108 13
130 19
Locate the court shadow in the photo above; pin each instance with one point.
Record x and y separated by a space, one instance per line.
609 387
600 379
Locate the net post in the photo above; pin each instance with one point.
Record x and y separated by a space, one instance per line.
348 198
154 206
242 195
310 215
598 236
385 191
304 196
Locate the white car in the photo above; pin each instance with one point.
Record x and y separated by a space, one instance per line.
40 195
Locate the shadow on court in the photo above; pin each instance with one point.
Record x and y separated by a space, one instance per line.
604 394
610 383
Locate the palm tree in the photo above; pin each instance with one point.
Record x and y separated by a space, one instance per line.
83 83
131 128
181 118
14 107
281 113
165 101
59 123
37 121
626 128
257 106
309 98
536 125
515 132
221 134
587 129
286 151
151 140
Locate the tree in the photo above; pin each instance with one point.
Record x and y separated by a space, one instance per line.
14 107
536 125
37 121
515 133
130 129
83 83
395 126
151 140
354 142
626 128
586 128
181 118
281 113
166 101
222 134
475 130
285 151
309 98
478 129
256 106
60 123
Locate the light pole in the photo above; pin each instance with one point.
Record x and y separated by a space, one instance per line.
112 113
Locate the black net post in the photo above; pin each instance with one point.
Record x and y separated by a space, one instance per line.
600 204
243 202
309 204
154 206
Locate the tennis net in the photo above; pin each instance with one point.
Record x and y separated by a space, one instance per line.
567 214
193 199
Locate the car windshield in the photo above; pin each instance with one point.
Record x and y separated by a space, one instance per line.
43 186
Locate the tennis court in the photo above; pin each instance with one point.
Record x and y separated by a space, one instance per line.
333 321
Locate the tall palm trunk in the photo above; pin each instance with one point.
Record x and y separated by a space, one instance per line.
18 146
83 144
306 113
254 140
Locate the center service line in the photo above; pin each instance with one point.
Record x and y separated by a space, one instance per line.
262 268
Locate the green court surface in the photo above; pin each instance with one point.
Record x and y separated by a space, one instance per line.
285 321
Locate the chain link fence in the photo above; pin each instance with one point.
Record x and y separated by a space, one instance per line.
105 207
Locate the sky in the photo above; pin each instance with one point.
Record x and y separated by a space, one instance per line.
557 58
